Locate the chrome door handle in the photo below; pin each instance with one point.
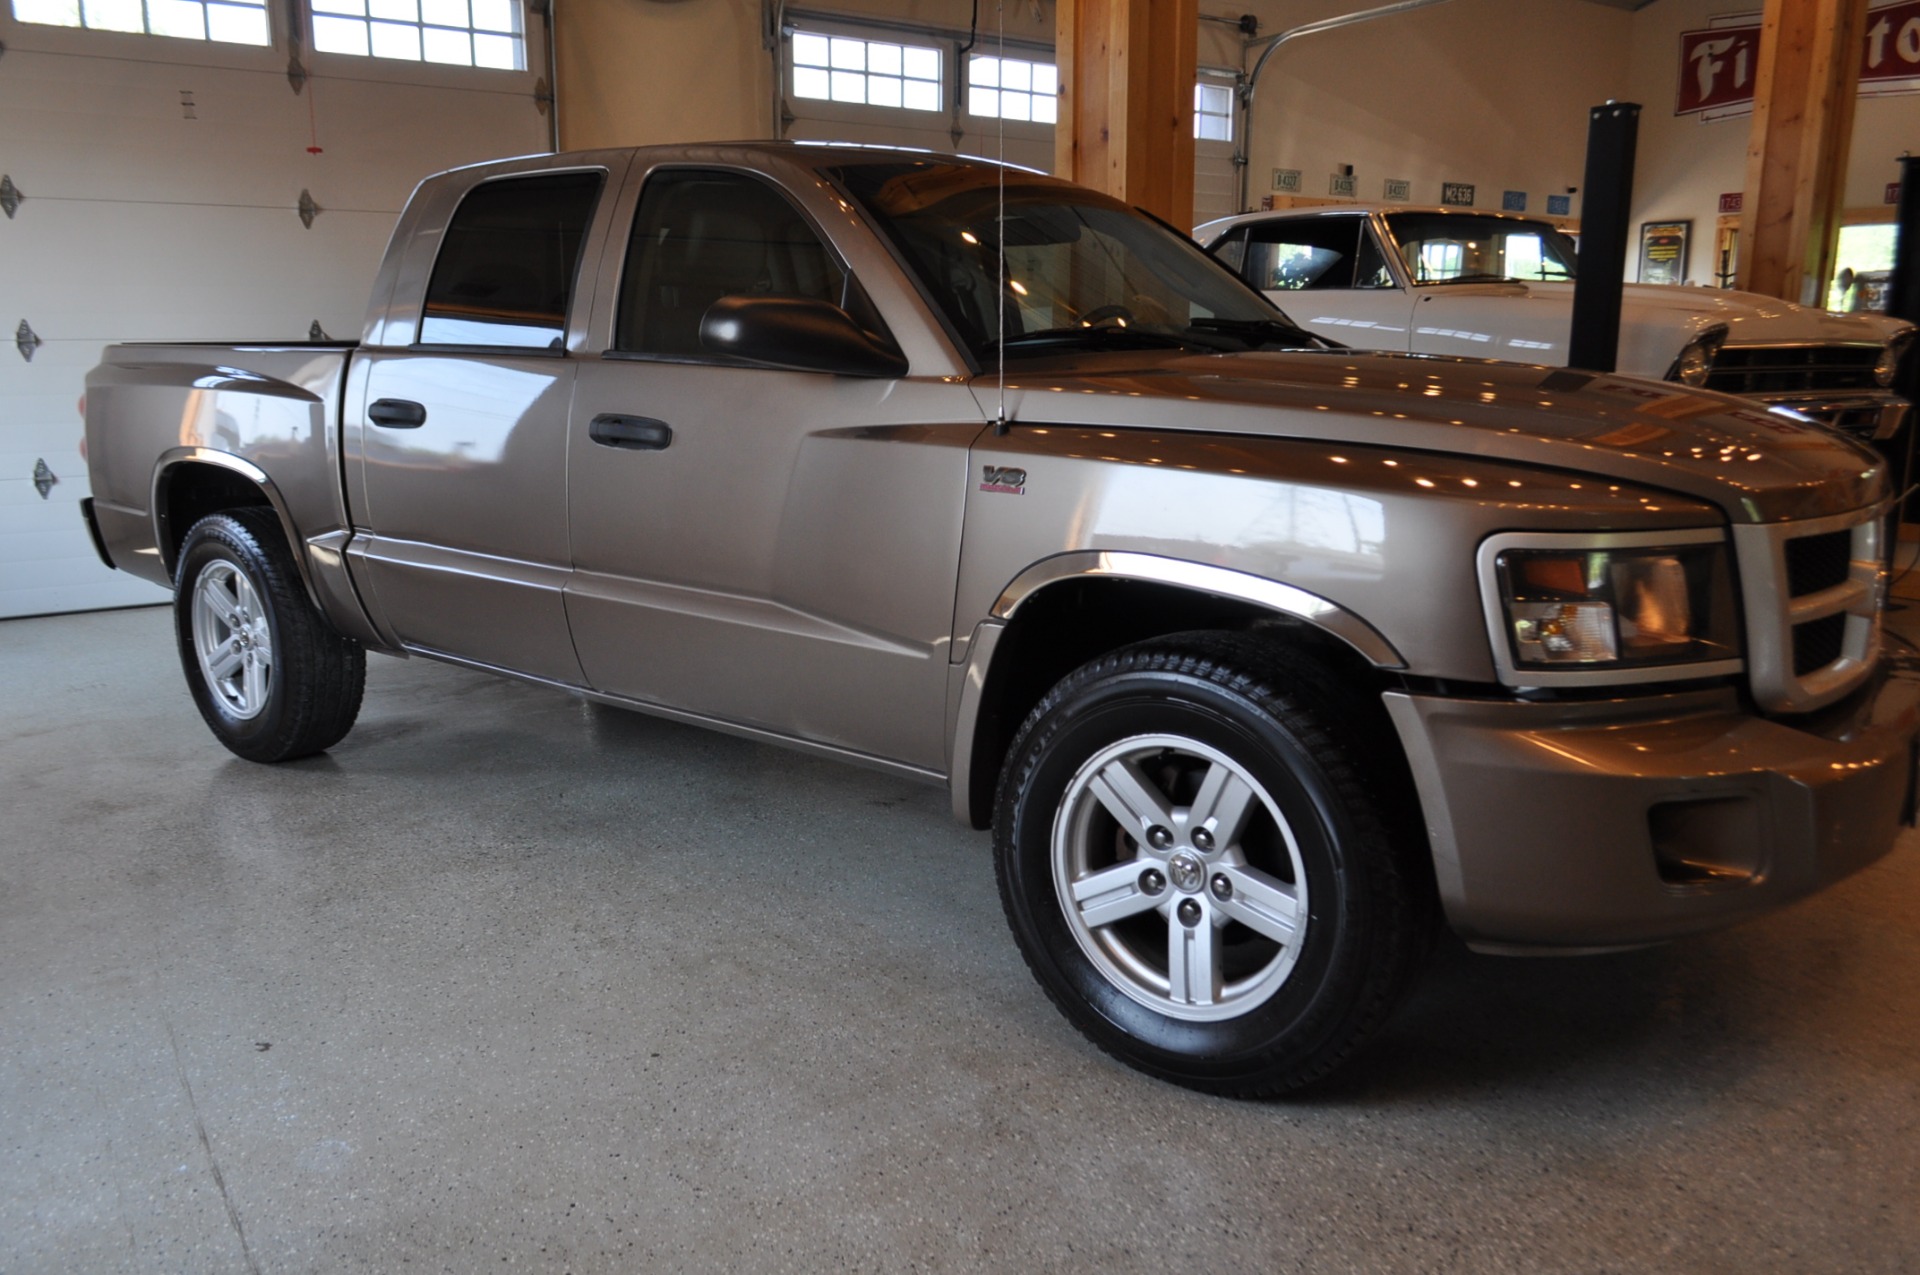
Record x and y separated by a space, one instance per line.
635 433
397 413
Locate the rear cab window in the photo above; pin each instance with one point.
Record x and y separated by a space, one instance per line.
507 267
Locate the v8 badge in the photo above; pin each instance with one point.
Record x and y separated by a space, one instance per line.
1001 478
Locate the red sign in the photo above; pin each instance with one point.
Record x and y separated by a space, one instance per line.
1718 65
1733 203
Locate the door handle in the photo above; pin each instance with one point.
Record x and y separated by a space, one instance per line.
397 413
635 433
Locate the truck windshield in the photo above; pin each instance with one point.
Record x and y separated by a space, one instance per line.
1463 248
1074 269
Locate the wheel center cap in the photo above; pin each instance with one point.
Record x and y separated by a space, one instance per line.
1187 872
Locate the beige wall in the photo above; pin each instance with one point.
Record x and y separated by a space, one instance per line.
1491 92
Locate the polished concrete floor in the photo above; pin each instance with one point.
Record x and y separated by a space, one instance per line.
510 982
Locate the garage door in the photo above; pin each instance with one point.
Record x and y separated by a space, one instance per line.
1216 179
161 182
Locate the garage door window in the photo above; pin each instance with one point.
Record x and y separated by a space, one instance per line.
1013 89
505 273
865 72
486 33
227 21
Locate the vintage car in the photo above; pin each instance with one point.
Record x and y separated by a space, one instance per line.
1259 656
1500 286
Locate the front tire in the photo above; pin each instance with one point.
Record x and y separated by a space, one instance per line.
269 675
1196 872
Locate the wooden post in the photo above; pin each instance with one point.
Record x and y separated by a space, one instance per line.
1127 71
1804 93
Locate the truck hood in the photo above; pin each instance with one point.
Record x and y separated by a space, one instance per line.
1755 464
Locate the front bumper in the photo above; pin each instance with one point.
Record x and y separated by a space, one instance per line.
1558 826
1868 415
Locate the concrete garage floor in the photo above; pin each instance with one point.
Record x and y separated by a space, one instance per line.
511 982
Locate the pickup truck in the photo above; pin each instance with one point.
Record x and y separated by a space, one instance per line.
1499 285
1261 658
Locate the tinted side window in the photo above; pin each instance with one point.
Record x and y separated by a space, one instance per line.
699 236
506 268
1312 252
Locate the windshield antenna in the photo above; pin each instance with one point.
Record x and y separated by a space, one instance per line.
1000 422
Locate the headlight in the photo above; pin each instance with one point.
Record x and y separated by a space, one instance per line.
1695 363
1889 365
1594 609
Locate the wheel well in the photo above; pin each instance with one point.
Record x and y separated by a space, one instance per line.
189 492
1067 624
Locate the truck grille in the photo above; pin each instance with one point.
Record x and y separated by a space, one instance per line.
1761 370
1814 592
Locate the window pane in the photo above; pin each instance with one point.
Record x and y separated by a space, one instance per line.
849 55
507 265
849 86
444 13
922 96
231 24
809 50
983 102
339 35
58 13
700 236
810 82
883 90
391 41
1016 106
1046 79
453 47
1046 110
985 71
114 15
501 52
923 64
1017 75
394 10
182 18
884 59
493 15
356 7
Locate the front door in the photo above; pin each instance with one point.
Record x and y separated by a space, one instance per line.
767 548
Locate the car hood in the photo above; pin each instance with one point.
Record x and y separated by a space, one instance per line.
1750 319
1757 465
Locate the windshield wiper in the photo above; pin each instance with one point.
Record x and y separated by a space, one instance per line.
1259 332
1107 336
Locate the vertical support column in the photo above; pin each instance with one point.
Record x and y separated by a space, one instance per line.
1606 203
1804 93
1127 71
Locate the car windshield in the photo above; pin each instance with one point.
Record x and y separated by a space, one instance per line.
1463 248
1078 270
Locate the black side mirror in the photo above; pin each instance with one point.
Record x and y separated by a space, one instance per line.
796 333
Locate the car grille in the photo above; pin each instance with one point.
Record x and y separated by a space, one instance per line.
1759 370
1814 592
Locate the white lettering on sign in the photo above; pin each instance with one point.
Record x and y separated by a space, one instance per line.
1709 61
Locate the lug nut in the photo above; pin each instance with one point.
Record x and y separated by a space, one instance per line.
1222 888
1189 913
1202 839
1159 838
1152 881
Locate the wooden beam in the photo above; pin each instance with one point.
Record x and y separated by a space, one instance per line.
1804 93
1127 70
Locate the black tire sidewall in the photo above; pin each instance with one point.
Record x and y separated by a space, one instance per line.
1308 1014
223 539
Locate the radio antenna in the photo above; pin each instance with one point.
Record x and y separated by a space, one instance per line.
1000 422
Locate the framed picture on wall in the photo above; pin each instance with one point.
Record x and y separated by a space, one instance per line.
1663 251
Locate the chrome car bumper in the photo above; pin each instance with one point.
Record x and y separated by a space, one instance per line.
1871 416
1567 826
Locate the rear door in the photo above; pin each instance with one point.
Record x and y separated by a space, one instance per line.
766 548
461 508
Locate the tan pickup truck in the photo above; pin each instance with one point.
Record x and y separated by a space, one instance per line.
1260 656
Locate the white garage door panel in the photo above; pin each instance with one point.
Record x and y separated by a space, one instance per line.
115 271
141 224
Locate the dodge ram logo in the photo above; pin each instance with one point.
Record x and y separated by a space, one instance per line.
1003 479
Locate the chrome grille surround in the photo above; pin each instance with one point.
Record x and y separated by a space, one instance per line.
1764 371
1775 618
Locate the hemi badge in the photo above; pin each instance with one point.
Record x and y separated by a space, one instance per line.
999 478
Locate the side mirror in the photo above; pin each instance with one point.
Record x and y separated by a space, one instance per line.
799 334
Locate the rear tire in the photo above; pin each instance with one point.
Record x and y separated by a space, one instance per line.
1195 868
270 676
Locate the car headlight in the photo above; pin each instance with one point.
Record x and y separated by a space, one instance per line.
1888 367
1695 363
1623 607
